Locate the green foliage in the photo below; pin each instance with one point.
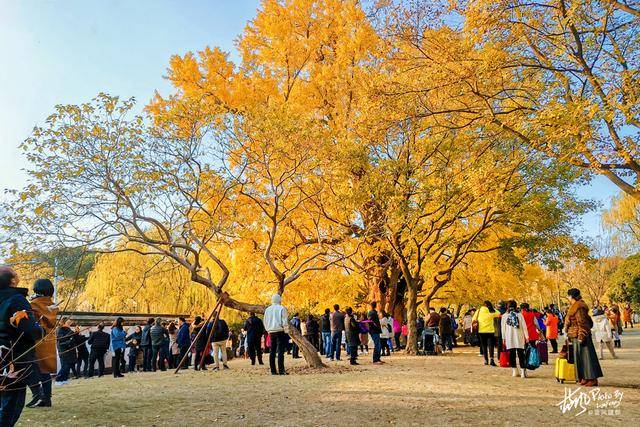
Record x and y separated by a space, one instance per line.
626 281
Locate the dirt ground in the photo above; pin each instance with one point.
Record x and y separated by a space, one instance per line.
448 390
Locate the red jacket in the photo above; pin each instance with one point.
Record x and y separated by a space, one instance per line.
530 320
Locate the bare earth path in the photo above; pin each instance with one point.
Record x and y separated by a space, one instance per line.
453 389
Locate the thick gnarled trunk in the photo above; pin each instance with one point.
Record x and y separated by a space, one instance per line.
412 308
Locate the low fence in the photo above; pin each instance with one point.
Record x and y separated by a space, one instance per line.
88 322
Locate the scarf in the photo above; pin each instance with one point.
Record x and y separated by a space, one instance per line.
512 319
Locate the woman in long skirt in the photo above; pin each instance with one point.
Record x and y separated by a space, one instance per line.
578 326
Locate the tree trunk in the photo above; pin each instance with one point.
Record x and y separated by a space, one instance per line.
309 352
412 307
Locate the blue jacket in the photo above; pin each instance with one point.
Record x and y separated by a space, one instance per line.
184 337
117 339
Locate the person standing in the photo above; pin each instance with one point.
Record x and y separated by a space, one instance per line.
118 345
352 335
183 340
276 322
486 329
174 351
325 321
531 323
82 353
145 345
313 331
66 350
45 313
19 332
295 323
602 333
337 326
551 322
467 320
578 325
219 338
374 333
515 336
158 334
386 334
99 342
255 330
627 316
397 332
200 342
445 326
133 342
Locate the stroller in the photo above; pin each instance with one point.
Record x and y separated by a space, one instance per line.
430 342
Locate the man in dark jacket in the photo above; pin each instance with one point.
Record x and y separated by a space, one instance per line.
255 330
313 331
374 331
82 353
158 334
295 322
19 332
183 340
145 345
200 342
99 342
352 335
445 327
219 337
325 320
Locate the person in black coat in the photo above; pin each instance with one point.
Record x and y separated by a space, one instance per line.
19 333
219 338
99 342
255 330
158 334
200 342
133 342
82 353
66 350
313 331
145 345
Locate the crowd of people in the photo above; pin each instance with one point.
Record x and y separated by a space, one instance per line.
33 338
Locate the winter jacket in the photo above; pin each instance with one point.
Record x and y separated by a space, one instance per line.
485 320
551 322
117 339
374 326
514 337
146 336
99 341
80 342
326 322
530 320
445 326
352 330
183 339
66 346
601 329
24 331
312 327
254 327
221 331
578 323
201 340
276 318
337 321
158 334
46 348
386 327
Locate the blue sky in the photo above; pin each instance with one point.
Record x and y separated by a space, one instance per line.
67 51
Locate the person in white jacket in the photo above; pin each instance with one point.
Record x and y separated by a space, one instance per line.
602 333
514 337
276 323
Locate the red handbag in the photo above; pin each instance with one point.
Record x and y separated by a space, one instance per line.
504 358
